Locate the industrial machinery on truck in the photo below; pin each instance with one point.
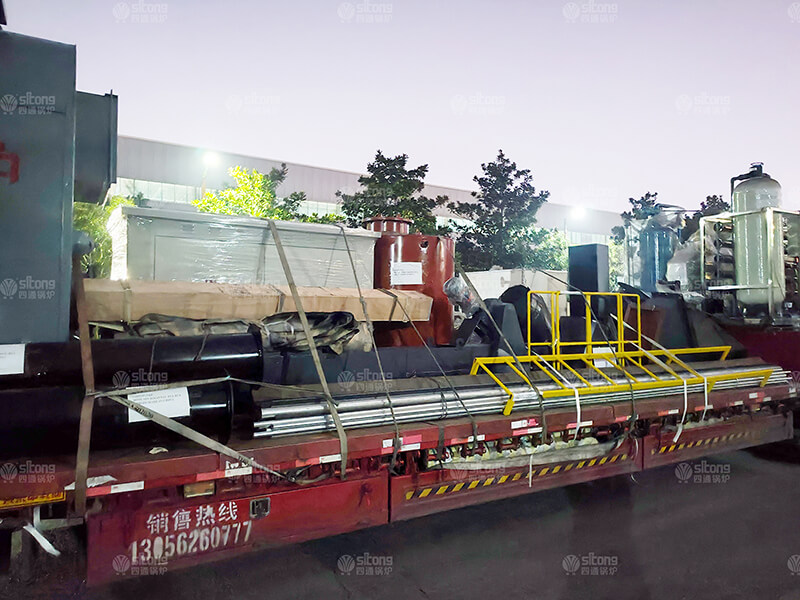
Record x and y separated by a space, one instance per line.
741 267
180 422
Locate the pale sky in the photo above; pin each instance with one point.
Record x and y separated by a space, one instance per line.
601 100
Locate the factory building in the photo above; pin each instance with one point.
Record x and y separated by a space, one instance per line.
172 173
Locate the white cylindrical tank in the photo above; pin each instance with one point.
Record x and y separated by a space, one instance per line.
751 241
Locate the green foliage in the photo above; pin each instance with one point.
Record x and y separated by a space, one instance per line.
92 219
392 189
256 195
712 205
616 263
550 249
644 207
253 195
503 217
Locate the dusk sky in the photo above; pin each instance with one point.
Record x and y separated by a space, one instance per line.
601 100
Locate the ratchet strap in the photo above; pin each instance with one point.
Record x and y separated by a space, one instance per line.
312 346
183 430
87 371
503 337
396 443
438 365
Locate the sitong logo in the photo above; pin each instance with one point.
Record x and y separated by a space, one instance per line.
571 11
571 564
346 564
794 12
8 471
683 472
121 380
346 379
346 11
8 288
8 103
121 564
121 11
794 564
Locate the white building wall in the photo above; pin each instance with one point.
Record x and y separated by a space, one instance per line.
174 173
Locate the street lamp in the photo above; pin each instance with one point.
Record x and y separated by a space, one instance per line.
576 214
210 159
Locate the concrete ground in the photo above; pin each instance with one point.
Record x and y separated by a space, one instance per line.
650 537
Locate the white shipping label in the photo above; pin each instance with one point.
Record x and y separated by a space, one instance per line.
12 359
406 273
170 403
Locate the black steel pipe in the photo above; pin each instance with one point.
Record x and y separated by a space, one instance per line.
141 361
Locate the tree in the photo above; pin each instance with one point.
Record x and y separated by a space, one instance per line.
712 205
256 195
503 217
550 249
392 189
643 208
92 219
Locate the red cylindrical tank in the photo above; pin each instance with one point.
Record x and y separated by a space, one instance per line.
412 261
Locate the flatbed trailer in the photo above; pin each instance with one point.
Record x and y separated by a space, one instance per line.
187 506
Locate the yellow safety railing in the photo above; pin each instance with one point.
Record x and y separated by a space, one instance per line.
616 354
556 344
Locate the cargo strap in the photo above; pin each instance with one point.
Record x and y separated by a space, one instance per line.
634 412
503 337
87 406
312 346
183 430
438 365
370 329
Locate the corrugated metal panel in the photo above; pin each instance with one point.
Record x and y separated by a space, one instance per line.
167 245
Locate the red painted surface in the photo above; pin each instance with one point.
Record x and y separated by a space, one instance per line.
403 508
775 345
760 429
141 531
12 173
129 523
187 463
389 225
436 255
369 496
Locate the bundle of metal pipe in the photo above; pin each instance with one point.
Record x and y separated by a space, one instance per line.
311 415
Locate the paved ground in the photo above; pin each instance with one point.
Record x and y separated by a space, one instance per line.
664 539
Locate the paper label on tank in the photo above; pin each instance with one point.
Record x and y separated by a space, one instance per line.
170 403
12 359
405 273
